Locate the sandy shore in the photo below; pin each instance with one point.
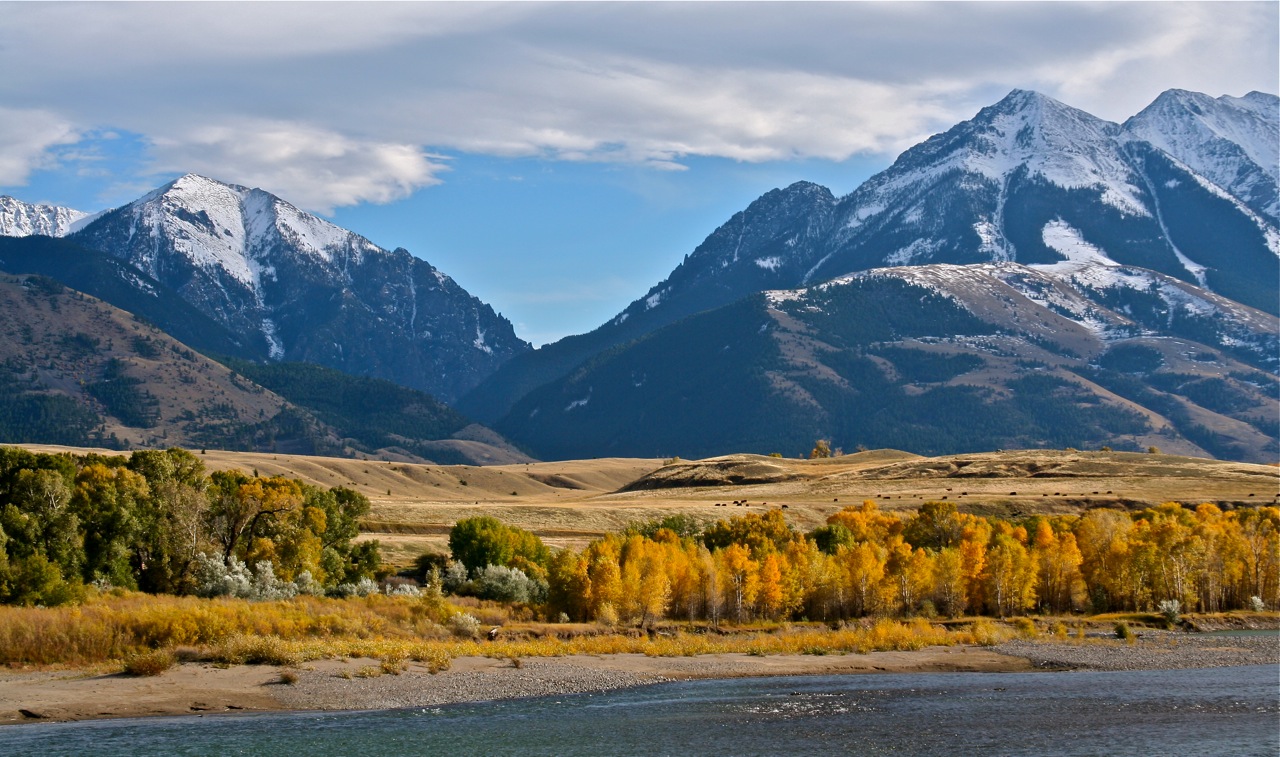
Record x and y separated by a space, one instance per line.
198 688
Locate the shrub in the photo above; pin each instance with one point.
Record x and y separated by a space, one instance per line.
306 585
607 615
1123 632
1257 604
1025 628
455 577
508 585
435 658
402 587
242 649
362 588
151 663
1170 609
215 578
393 663
464 625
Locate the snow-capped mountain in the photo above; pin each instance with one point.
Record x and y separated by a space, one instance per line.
1027 180
990 189
1232 141
296 287
21 219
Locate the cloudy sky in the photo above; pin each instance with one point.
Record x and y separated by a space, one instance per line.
558 159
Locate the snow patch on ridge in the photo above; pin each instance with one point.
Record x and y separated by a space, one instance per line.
921 249
1065 240
275 347
479 343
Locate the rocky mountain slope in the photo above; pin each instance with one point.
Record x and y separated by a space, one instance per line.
291 286
75 370
1027 180
932 359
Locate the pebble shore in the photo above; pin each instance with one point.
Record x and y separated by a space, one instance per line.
536 677
1151 650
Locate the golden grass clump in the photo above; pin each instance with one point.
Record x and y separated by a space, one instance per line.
1026 628
151 663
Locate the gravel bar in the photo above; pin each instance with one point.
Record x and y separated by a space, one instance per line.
536 677
1152 650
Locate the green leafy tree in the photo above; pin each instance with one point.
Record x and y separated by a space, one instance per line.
483 540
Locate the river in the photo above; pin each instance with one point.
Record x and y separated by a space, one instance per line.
1214 711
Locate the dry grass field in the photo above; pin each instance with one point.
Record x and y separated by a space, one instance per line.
572 502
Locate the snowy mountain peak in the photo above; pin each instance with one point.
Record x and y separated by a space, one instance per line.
1234 142
237 230
1066 146
21 219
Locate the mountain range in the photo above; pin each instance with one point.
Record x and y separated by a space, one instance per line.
1032 276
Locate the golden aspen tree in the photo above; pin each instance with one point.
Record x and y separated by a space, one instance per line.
864 566
1214 573
867 523
741 579
910 573
646 588
1010 575
605 577
712 588
950 584
1260 531
770 596
569 585
1102 536
682 571
797 576
1174 553
974 538
1060 585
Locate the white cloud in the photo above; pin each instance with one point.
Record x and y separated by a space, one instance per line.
27 138
311 167
336 103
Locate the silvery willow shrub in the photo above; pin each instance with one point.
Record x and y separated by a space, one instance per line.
507 585
306 584
267 586
215 578
401 587
464 624
455 577
362 588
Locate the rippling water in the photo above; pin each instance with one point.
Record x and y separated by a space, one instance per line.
1219 711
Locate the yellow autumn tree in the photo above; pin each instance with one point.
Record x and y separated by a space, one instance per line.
1010 574
741 579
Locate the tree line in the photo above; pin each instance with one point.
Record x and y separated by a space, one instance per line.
155 521
865 561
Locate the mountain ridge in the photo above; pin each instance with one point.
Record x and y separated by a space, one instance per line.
1005 185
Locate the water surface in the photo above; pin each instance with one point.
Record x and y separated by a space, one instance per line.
1213 711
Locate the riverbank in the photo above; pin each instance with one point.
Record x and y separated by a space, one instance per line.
360 684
